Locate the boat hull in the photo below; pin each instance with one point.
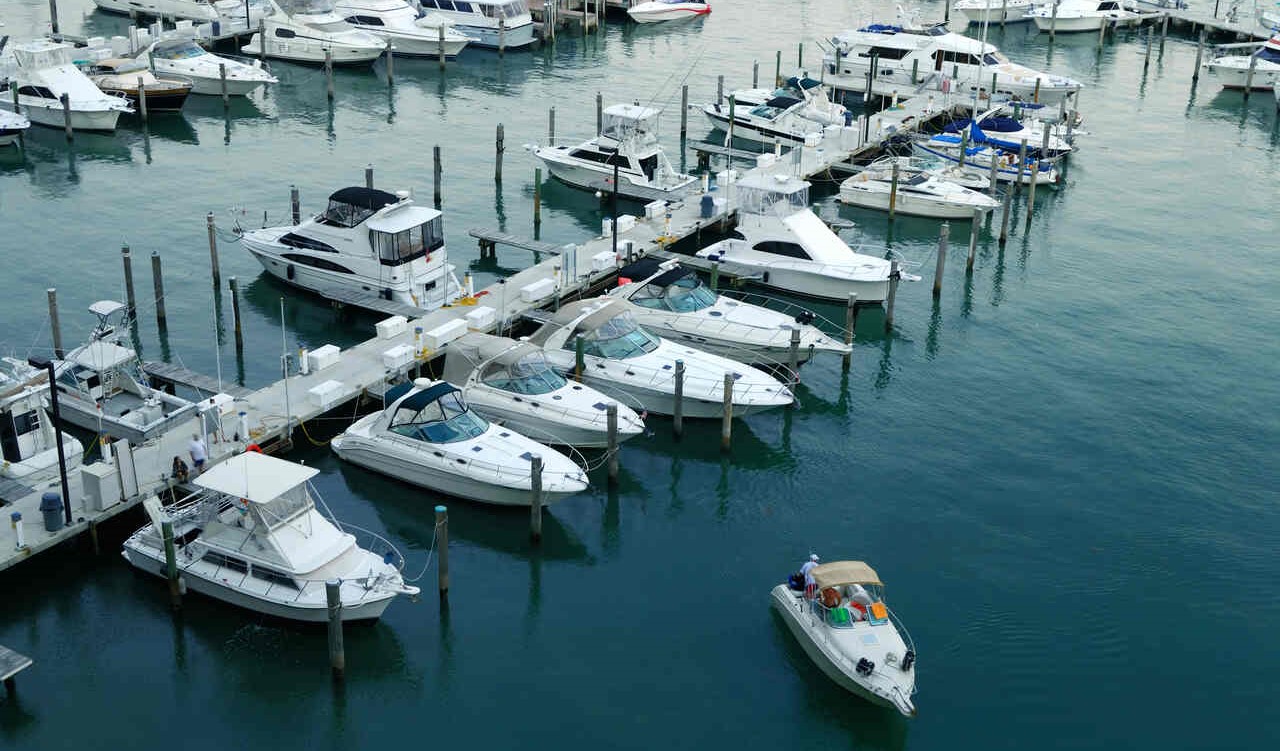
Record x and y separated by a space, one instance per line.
161 9
1237 77
718 116
1010 13
644 14
589 179
419 45
1003 174
101 121
314 279
301 52
1072 24
207 86
910 204
513 37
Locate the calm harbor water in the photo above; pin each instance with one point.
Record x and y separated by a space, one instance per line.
1064 470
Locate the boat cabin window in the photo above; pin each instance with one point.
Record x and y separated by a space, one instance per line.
531 374
442 420
343 214
274 577
396 248
504 10
617 339
365 20
885 53
994 58
598 158
284 33
782 248
294 240
178 50
36 91
961 58
1108 5
318 263
225 561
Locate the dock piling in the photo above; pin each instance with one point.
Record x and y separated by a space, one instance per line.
994 177
719 89
850 322
66 112
1004 219
1164 30
777 69
53 16
800 56
726 422
368 176
157 284
611 415
213 247
1031 190
1248 77
579 359
171 564
391 64
973 240
222 79
126 258
295 205
235 312
677 411
442 548
535 493
1022 165
333 602
52 294
755 74
894 277
793 356
437 174
537 196
498 147
440 46
599 113
328 74
502 37
142 99
551 127
1053 22
684 111
262 40
944 236
893 192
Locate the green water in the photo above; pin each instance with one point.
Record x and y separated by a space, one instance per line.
1064 469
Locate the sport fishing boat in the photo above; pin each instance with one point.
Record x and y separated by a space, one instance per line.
133 79
194 10
1233 70
28 441
780 243
621 357
428 436
489 23
978 158
667 10
1083 15
993 11
12 125
627 141
671 301
919 193
410 34
252 536
779 119
512 384
365 240
302 31
44 71
847 630
819 105
181 56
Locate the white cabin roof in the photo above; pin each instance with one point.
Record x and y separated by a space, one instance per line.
400 217
631 111
256 477
102 355
106 308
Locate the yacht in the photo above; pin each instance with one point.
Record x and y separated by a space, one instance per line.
428 436
43 71
621 357
12 125
937 167
778 119
1083 15
102 387
919 193
252 536
819 105
1233 70
978 159
781 243
512 384
839 616
133 79
671 301
365 240
28 440
194 10
489 23
409 34
993 11
654 11
992 129
302 31
627 141
181 56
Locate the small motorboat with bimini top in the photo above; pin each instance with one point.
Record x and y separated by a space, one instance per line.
410 34
978 159
181 56
28 442
918 193
655 11
994 129
1233 70
778 119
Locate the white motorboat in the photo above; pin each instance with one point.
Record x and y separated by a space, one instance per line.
102 387
669 300
779 119
28 441
978 159
253 537
621 357
194 10
428 436
655 11
1268 15
819 105
918 193
992 129
993 11
1083 15
365 240
844 626
628 142
1233 70
781 243
489 23
409 34
44 71
132 79
181 56
938 167
512 384
12 125
302 31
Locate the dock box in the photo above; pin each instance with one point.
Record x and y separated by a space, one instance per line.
224 403
393 326
101 485
603 261
323 357
655 209
327 394
444 333
766 160
538 290
481 318
397 357
626 222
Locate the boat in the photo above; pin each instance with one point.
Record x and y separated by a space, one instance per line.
44 71
12 126
365 241
512 384
993 11
1083 15
845 627
28 440
409 34
252 536
194 10
1002 132
779 119
132 79
1233 70
628 142
780 243
919 193
655 11
428 436
670 300
978 159
489 23
941 168
621 357
181 56
303 31
1268 16
819 105
102 387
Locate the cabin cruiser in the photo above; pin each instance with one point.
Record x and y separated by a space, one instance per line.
621 357
28 440
671 301
512 384
778 119
667 10
489 23
978 159
302 31
181 56
819 105
1083 15
993 11
365 240
102 387
12 125
253 537
992 129
918 193
838 614
937 167
628 141
409 34
194 10
781 243
43 71
428 436
133 79
1233 70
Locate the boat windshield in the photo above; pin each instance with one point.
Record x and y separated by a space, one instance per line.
994 58
311 7
531 374
618 338
178 50
443 420
685 295
1270 55
504 10
758 199
396 248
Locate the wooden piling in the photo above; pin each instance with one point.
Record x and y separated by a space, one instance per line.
171 564
1004 219
440 46
726 422
328 74
222 80
719 89
157 285
66 113
391 64
793 356
213 248
1195 74
964 146
502 37
535 497
131 302
777 69
1053 21
1164 30
537 196
53 16
599 113
611 416
498 148
994 177
800 56
295 205
437 176
894 277
551 127
1248 77
1022 165
333 603
755 74
944 236
262 40
442 550
368 176
52 294
142 99
1031 190
893 192
235 312
684 111
850 322
974 229
579 358
677 412
1004 12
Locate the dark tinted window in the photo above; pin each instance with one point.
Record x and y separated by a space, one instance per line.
298 241
285 33
780 248
319 263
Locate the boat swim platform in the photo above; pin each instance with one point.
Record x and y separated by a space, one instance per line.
12 663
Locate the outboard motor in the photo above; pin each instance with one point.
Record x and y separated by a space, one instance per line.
865 667
908 660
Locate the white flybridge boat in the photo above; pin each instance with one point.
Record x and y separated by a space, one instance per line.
781 243
778 119
180 55
365 240
43 71
513 384
819 105
993 11
1233 70
194 10
409 34
621 357
28 442
919 193
12 125
845 627
667 10
428 436
489 23
1083 15
628 141
670 300
253 537
302 31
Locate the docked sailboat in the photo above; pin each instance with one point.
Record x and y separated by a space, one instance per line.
1233 70
918 193
1083 15
12 125
133 79
428 436
978 158
28 442
252 536
992 129
181 56
779 119
365 240
410 34
489 23
303 31
655 11
44 71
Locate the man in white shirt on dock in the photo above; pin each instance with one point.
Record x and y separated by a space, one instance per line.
199 453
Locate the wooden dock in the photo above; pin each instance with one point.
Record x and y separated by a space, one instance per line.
11 663
169 374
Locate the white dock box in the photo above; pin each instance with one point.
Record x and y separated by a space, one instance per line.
538 290
603 260
323 357
626 222
481 318
765 160
397 357
225 404
100 484
326 394
655 209
444 333
393 326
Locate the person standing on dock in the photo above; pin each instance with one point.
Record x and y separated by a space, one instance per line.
199 452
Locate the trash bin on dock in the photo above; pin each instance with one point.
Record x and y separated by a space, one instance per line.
708 206
51 507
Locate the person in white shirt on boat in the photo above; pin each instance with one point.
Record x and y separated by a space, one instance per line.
807 572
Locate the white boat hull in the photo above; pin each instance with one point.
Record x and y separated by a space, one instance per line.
910 204
318 280
102 121
658 12
1236 76
513 37
750 131
1072 24
161 9
420 45
588 179
314 52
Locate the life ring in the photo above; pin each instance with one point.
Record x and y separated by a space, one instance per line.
255 448
830 598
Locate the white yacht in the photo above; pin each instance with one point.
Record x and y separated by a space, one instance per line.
937 167
621 357
428 436
629 141
978 159
844 626
133 79
490 23
671 301
102 387
302 31
655 11
781 243
1083 15
819 105
253 537
778 119
12 125
993 11
43 71
28 442
1233 70
919 193
365 240
410 35
512 384
181 56
194 10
